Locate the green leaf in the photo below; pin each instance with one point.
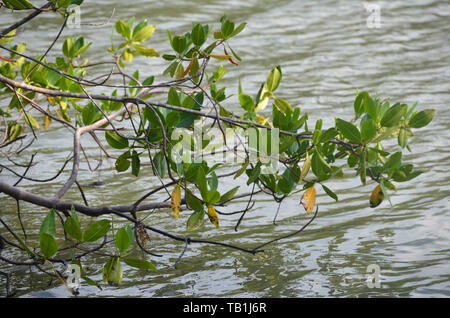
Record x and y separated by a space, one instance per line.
213 181
72 227
196 220
96 230
393 115
173 98
144 33
274 79
228 195
123 29
319 166
116 141
122 240
82 49
238 30
328 135
317 131
329 192
284 185
179 44
160 164
348 130
139 263
254 173
198 35
146 51
8 38
64 3
25 247
48 225
48 245
370 107
242 170
122 163
368 129
402 137
200 180
282 105
31 121
421 119
90 114
227 28
169 57
362 167
68 47
193 202
358 105
18 4
91 282
386 194
394 161
213 197
113 271
246 102
135 164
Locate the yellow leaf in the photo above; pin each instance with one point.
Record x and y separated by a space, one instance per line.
127 56
47 122
220 57
305 168
263 120
308 199
176 201
376 197
212 214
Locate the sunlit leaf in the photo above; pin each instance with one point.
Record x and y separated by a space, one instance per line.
139 263
175 201
212 215
393 115
308 199
376 197
305 168
421 119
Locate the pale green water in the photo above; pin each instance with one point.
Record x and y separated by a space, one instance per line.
326 51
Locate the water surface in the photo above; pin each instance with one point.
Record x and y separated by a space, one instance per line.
327 52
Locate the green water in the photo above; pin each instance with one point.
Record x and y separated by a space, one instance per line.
327 52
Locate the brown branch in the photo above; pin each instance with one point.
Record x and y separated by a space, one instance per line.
59 205
26 19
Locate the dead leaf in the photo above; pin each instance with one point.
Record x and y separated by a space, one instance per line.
376 197
308 199
212 214
176 201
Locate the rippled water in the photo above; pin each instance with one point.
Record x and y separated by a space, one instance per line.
327 52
